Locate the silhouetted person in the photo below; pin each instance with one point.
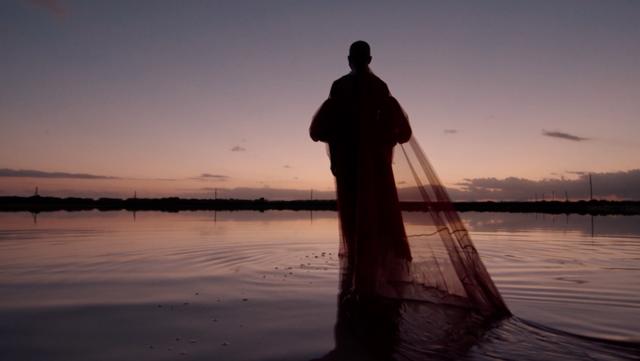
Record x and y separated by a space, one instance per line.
362 122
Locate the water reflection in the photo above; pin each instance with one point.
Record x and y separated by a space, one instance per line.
616 225
69 271
375 328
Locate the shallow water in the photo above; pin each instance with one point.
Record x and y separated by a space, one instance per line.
264 286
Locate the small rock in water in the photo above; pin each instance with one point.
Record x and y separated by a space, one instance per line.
225 343
186 304
193 340
178 339
197 293
151 346
245 299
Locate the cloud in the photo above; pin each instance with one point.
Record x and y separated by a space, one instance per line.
577 172
6 172
238 148
450 131
608 185
211 177
52 6
563 135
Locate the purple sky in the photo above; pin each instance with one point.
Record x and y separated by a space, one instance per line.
151 95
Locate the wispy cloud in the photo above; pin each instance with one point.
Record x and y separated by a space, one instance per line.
211 177
563 135
577 172
52 6
450 131
238 148
6 172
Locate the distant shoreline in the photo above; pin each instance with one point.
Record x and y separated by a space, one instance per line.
36 204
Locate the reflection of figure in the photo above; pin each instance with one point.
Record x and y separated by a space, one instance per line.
366 328
376 328
362 122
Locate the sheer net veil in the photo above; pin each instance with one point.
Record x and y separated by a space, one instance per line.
445 265
379 168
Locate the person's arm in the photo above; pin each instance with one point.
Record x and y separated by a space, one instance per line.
321 128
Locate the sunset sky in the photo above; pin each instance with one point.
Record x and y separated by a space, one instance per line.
101 98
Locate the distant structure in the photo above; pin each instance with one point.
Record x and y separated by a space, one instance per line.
311 194
135 195
590 188
35 194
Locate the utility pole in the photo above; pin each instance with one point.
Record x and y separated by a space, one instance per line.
590 188
215 193
311 194
566 196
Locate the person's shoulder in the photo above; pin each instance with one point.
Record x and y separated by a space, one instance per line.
343 80
379 83
377 80
341 83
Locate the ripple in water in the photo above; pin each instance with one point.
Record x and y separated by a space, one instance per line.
264 286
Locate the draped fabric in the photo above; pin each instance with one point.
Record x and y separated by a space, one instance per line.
425 256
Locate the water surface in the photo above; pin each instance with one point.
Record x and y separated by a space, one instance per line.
264 286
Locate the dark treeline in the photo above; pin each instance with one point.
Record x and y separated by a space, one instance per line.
174 204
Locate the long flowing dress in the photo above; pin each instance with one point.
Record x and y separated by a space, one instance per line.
362 123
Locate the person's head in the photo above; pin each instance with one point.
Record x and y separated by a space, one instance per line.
359 55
